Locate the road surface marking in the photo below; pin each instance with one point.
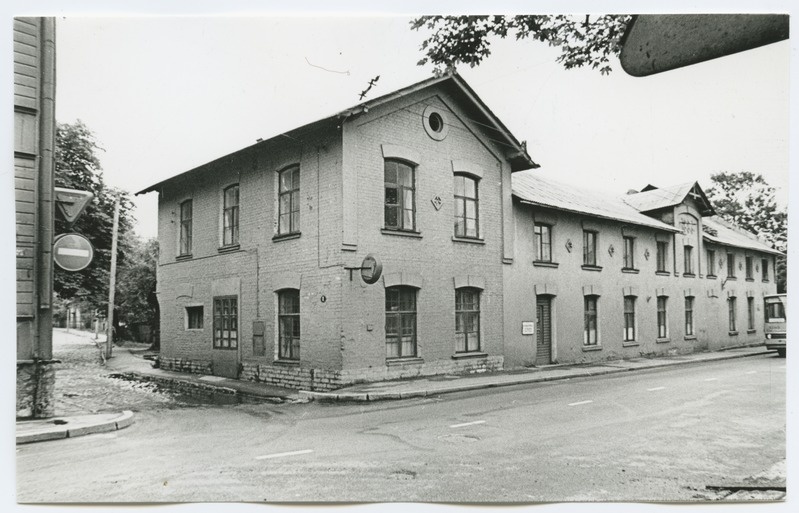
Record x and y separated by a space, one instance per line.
281 454
712 379
581 402
654 389
752 372
468 424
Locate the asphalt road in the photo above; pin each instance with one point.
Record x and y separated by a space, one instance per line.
659 435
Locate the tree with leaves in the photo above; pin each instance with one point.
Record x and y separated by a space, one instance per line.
747 200
136 301
78 167
589 40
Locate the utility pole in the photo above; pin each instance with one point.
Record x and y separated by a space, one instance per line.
112 283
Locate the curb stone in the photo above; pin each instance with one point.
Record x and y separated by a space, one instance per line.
522 380
62 431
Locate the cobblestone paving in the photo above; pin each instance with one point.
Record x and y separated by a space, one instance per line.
83 385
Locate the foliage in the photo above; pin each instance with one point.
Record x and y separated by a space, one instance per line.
583 41
747 200
78 167
136 301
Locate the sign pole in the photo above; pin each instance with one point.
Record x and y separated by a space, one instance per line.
112 284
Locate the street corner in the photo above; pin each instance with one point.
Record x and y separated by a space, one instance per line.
58 428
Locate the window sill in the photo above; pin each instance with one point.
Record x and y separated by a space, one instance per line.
733 278
401 233
688 275
290 363
229 249
596 347
765 281
464 356
468 240
286 236
407 360
542 263
226 348
630 271
592 268
749 332
750 279
631 343
690 337
662 273
663 340
196 330
733 333
711 276
181 258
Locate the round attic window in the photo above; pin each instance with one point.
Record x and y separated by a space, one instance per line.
435 123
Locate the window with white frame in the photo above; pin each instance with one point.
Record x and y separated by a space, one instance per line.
629 318
288 318
467 320
590 326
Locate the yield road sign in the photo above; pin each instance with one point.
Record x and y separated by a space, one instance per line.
72 252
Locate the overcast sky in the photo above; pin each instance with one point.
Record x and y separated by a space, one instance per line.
165 94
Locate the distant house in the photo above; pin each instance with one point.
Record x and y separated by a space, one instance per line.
485 266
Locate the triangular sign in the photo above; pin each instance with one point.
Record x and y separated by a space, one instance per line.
71 203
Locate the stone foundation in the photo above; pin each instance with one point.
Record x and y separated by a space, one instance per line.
35 390
296 377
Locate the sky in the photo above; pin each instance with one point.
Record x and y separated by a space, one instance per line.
165 94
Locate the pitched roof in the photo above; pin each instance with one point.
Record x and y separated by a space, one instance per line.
723 232
519 159
533 189
653 198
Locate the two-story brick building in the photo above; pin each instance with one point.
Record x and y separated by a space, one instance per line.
259 273
255 246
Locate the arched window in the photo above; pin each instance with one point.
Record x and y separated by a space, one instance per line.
184 247
400 322
591 328
400 196
466 207
289 200
288 318
467 320
629 318
230 216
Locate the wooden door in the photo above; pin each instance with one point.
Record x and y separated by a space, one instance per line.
543 349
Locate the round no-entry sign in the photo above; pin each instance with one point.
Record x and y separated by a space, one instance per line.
72 252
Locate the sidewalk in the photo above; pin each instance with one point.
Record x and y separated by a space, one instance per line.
130 363
435 385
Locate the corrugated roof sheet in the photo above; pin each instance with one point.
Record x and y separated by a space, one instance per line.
530 187
659 198
728 234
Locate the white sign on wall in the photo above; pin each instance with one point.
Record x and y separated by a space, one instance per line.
528 327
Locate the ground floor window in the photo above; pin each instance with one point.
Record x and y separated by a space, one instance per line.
663 331
467 320
194 317
288 319
732 304
226 322
750 310
629 318
689 316
400 322
591 333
